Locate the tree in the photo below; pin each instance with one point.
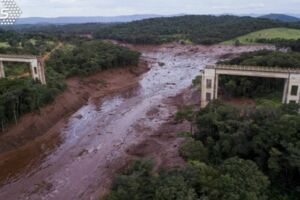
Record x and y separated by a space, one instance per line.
237 43
193 150
241 179
188 114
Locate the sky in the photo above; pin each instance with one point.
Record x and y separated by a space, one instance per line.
56 8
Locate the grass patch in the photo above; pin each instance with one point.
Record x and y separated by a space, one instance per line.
4 45
273 33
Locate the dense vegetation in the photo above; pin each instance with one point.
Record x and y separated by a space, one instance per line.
236 153
77 57
293 45
61 30
14 43
86 57
198 29
201 29
267 58
19 96
281 17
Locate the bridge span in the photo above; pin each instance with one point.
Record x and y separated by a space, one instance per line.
36 65
210 80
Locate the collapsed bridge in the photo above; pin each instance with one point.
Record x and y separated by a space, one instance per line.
36 65
210 80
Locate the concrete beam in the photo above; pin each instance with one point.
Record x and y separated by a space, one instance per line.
253 73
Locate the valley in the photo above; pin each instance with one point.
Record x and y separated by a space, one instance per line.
85 145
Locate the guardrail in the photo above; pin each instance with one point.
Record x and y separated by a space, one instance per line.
254 68
18 56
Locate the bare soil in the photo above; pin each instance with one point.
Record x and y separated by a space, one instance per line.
22 141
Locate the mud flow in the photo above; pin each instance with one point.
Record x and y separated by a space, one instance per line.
78 158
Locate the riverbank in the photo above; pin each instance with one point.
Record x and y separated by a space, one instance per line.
32 127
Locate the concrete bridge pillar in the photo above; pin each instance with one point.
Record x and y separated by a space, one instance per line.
293 89
209 86
2 72
34 70
37 70
42 76
285 91
216 86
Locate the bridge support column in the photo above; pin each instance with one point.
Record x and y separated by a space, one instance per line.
293 94
209 86
216 86
2 72
285 91
42 71
34 70
37 71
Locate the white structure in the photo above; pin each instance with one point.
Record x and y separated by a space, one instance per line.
210 80
36 65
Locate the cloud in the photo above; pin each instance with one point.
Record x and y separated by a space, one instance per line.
243 7
52 8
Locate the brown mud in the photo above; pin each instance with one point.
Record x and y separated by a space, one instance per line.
22 142
78 156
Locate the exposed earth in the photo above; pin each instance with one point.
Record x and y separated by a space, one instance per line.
73 148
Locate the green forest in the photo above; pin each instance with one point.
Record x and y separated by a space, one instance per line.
85 57
14 43
197 29
293 45
236 153
76 57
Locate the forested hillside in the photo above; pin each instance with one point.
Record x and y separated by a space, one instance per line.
293 45
281 17
198 29
236 153
267 58
35 44
86 57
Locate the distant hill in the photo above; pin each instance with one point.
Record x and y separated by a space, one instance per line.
198 29
281 17
268 34
82 20
203 29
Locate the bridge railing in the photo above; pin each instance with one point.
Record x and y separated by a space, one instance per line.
255 68
11 56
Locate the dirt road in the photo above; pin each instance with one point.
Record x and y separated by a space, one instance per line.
85 151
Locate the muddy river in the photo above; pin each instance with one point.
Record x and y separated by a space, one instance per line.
92 145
